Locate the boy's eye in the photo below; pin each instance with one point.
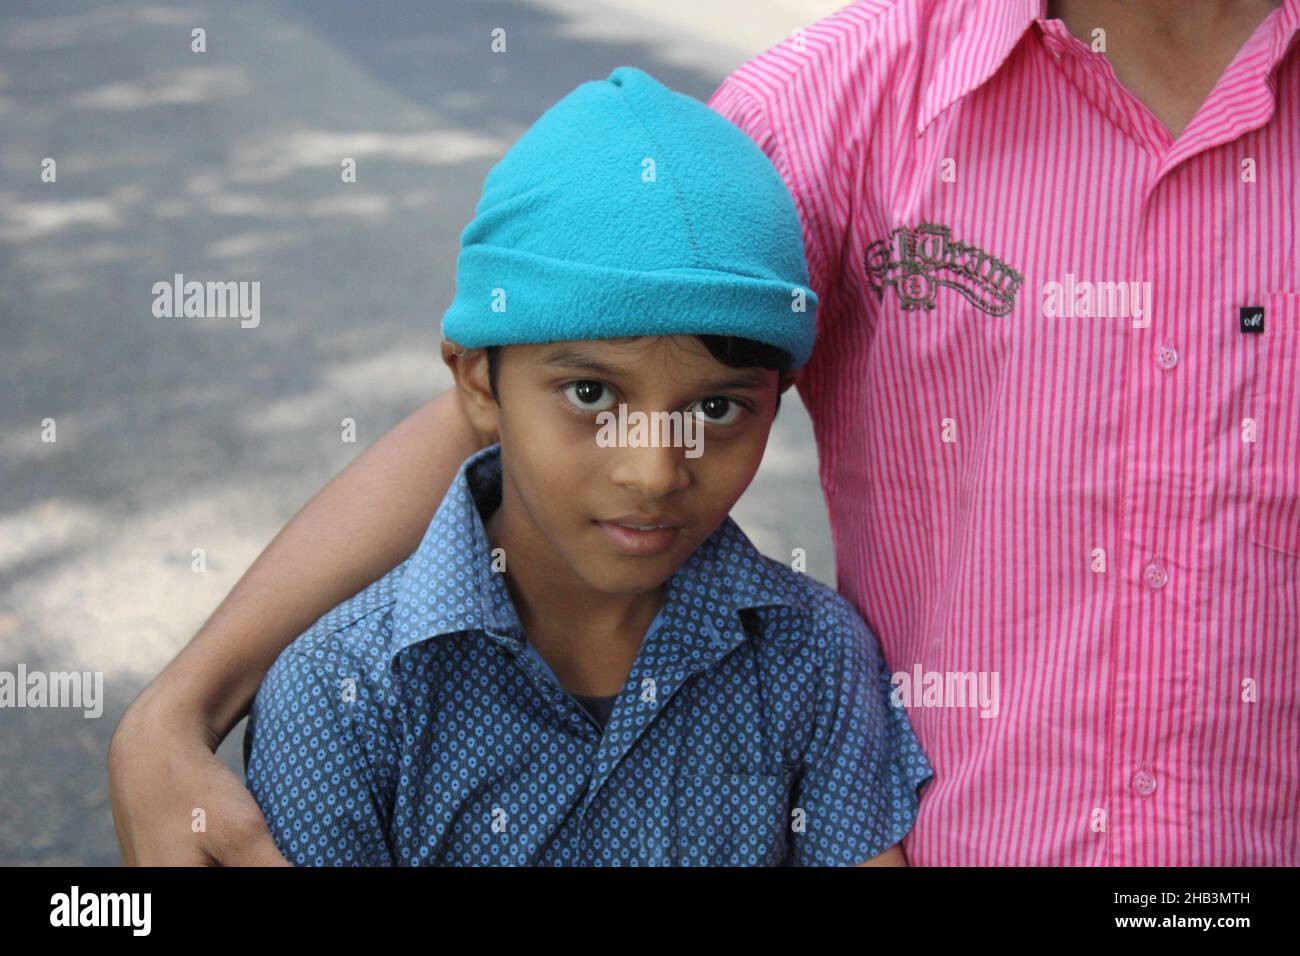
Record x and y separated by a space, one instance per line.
587 396
718 411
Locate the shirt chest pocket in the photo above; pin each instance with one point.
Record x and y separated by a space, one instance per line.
1275 408
732 819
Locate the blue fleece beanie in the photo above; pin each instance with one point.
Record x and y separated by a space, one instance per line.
628 209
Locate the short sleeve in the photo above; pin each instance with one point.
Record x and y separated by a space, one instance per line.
311 766
800 144
864 766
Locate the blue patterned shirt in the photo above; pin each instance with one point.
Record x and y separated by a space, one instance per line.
411 726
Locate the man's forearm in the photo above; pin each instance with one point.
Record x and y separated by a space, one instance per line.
361 525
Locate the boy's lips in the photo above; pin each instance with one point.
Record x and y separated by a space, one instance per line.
641 543
644 520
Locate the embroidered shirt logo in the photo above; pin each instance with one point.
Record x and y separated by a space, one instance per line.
915 262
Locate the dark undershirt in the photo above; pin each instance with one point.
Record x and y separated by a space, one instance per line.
598 707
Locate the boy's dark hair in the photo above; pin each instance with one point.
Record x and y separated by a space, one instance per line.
732 351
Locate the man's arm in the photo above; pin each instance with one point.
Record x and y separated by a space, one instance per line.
362 524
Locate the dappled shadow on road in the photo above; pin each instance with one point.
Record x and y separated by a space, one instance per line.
225 165
438 55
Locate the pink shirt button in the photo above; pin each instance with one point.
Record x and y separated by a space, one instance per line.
1166 357
1144 783
1154 575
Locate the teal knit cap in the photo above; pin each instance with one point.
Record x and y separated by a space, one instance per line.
628 209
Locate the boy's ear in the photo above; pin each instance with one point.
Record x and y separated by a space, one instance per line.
469 369
451 351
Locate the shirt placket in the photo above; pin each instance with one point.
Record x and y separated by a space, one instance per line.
1159 627
1155 626
1142 717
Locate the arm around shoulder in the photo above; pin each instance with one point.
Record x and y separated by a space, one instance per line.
322 764
363 523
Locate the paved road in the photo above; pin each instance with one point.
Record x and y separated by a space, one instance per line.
176 434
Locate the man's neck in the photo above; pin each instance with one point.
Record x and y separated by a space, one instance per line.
1168 53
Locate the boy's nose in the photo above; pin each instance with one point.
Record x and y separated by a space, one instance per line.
649 471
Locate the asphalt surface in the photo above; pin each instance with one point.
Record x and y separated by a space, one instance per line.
180 433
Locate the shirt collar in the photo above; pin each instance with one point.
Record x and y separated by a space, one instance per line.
449 586
990 31
992 28
1263 52
1288 23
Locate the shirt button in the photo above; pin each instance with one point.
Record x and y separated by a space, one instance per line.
1144 784
1167 356
1155 576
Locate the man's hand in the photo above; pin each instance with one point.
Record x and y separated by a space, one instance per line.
160 772
891 857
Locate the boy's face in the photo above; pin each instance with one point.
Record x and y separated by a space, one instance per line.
574 494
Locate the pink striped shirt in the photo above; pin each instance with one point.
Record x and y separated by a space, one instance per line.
1059 444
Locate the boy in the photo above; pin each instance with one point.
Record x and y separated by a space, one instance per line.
586 662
